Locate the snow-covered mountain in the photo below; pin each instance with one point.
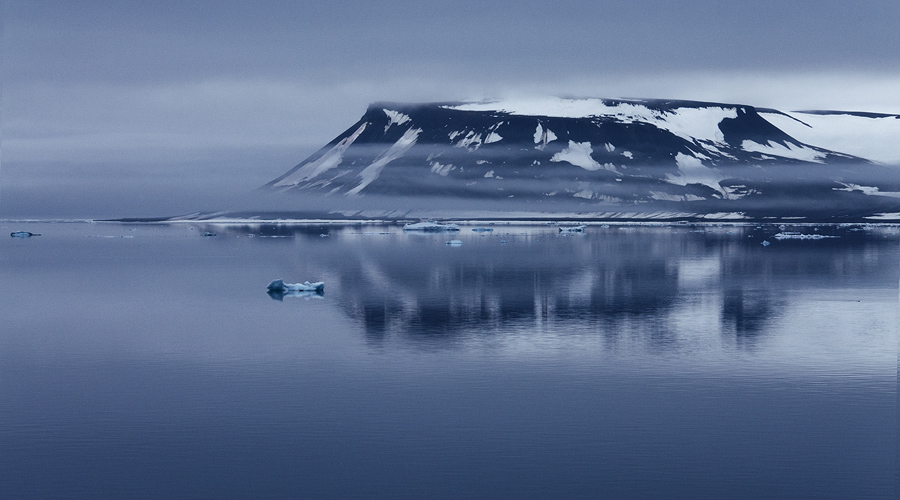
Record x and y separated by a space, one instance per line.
620 155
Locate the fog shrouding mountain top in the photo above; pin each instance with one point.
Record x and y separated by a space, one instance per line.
633 158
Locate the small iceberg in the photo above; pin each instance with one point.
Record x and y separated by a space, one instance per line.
430 226
209 234
454 243
23 234
788 235
572 229
278 289
483 229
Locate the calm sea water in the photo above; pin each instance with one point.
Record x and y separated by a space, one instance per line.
147 361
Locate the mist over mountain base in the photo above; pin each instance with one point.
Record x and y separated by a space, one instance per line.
616 159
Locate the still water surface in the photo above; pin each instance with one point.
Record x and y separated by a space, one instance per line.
147 361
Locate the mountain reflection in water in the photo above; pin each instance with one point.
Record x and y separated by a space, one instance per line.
608 282
627 362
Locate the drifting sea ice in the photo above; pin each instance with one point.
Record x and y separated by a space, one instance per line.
430 226
799 236
306 286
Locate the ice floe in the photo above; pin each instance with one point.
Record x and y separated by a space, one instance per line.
430 226
278 289
790 235
279 286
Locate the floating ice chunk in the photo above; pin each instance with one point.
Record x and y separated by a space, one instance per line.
209 234
572 229
430 226
306 286
278 289
489 174
454 243
787 235
628 154
23 234
765 243
483 229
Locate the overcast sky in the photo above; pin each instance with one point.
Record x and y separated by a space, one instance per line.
120 95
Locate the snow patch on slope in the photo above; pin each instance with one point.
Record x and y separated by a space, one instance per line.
329 160
579 154
396 150
696 123
787 150
396 118
543 136
440 169
661 196
875 139
867 190
692 171
690 123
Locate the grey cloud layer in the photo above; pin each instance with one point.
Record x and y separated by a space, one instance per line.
252 87
162 41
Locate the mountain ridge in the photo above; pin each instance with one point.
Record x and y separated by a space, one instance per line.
646 153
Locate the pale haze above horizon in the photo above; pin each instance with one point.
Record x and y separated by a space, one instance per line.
133 109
